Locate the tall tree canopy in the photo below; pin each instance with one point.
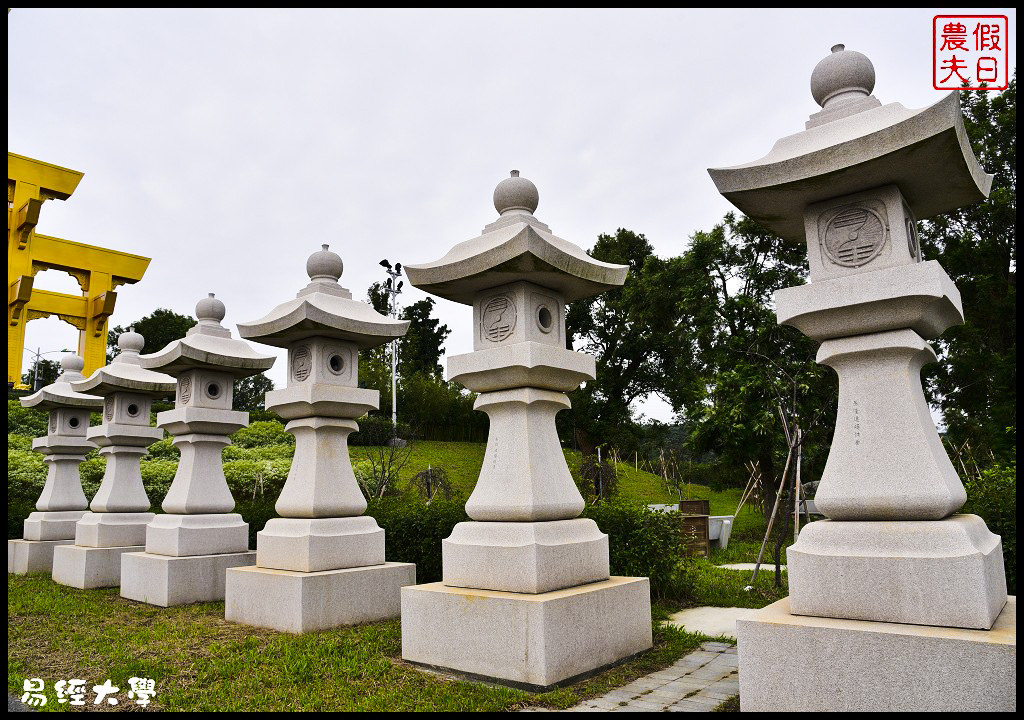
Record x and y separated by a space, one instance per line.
159 328
975 381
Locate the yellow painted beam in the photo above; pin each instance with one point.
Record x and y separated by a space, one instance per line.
70 256
53 181
52 303
98 270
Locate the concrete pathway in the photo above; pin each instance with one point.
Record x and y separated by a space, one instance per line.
713 621
698 682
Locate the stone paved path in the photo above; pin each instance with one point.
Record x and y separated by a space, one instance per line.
698 682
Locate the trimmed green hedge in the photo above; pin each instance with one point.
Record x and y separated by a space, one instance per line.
993 496
641 542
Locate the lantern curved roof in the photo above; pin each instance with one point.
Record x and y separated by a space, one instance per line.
521 248
924 152
323 314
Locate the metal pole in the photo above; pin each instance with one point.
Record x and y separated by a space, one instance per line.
394 384
796 484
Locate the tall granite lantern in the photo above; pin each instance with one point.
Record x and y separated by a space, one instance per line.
896 603
189 548
120 510
321 564
62 502
526 597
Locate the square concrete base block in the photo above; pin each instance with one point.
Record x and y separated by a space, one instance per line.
315 544
926 572
54 525
25 557
524 640
89 567
165 580
793 663
112 530
525 557
191 535
299 602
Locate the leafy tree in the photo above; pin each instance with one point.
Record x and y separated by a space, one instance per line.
975 381
738 365
423 345
249 392
159 329
43 372
627 330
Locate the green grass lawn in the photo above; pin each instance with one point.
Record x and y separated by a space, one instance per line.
201 662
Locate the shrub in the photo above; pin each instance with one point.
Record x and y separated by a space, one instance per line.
26 476
414 530
25 421
162 449
262 433
432 482
993 496
91 471
642 542
157 476
597 480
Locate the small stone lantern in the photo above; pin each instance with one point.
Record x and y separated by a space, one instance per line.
62 502
321 564
524 585
913 593
120 510
190 546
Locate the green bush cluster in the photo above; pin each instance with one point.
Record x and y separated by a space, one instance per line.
28 422
993 496
26 475
642 542
413 530
262 433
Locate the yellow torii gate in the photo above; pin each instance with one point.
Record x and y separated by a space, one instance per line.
97 270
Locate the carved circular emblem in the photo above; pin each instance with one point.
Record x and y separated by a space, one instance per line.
108 408
854 236
302 363
185 389
912 239
498 319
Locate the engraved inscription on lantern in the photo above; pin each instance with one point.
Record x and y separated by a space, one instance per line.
856 423
498 319
302 363
854 235
184 389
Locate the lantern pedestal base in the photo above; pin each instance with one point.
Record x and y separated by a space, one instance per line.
89 567
26 557
795 663
166 581
528 641
299 602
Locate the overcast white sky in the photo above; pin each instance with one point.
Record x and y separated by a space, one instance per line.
229 144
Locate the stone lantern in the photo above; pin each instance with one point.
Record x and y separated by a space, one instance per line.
62 502
913 594
526 585
120 510
190 546
321 564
